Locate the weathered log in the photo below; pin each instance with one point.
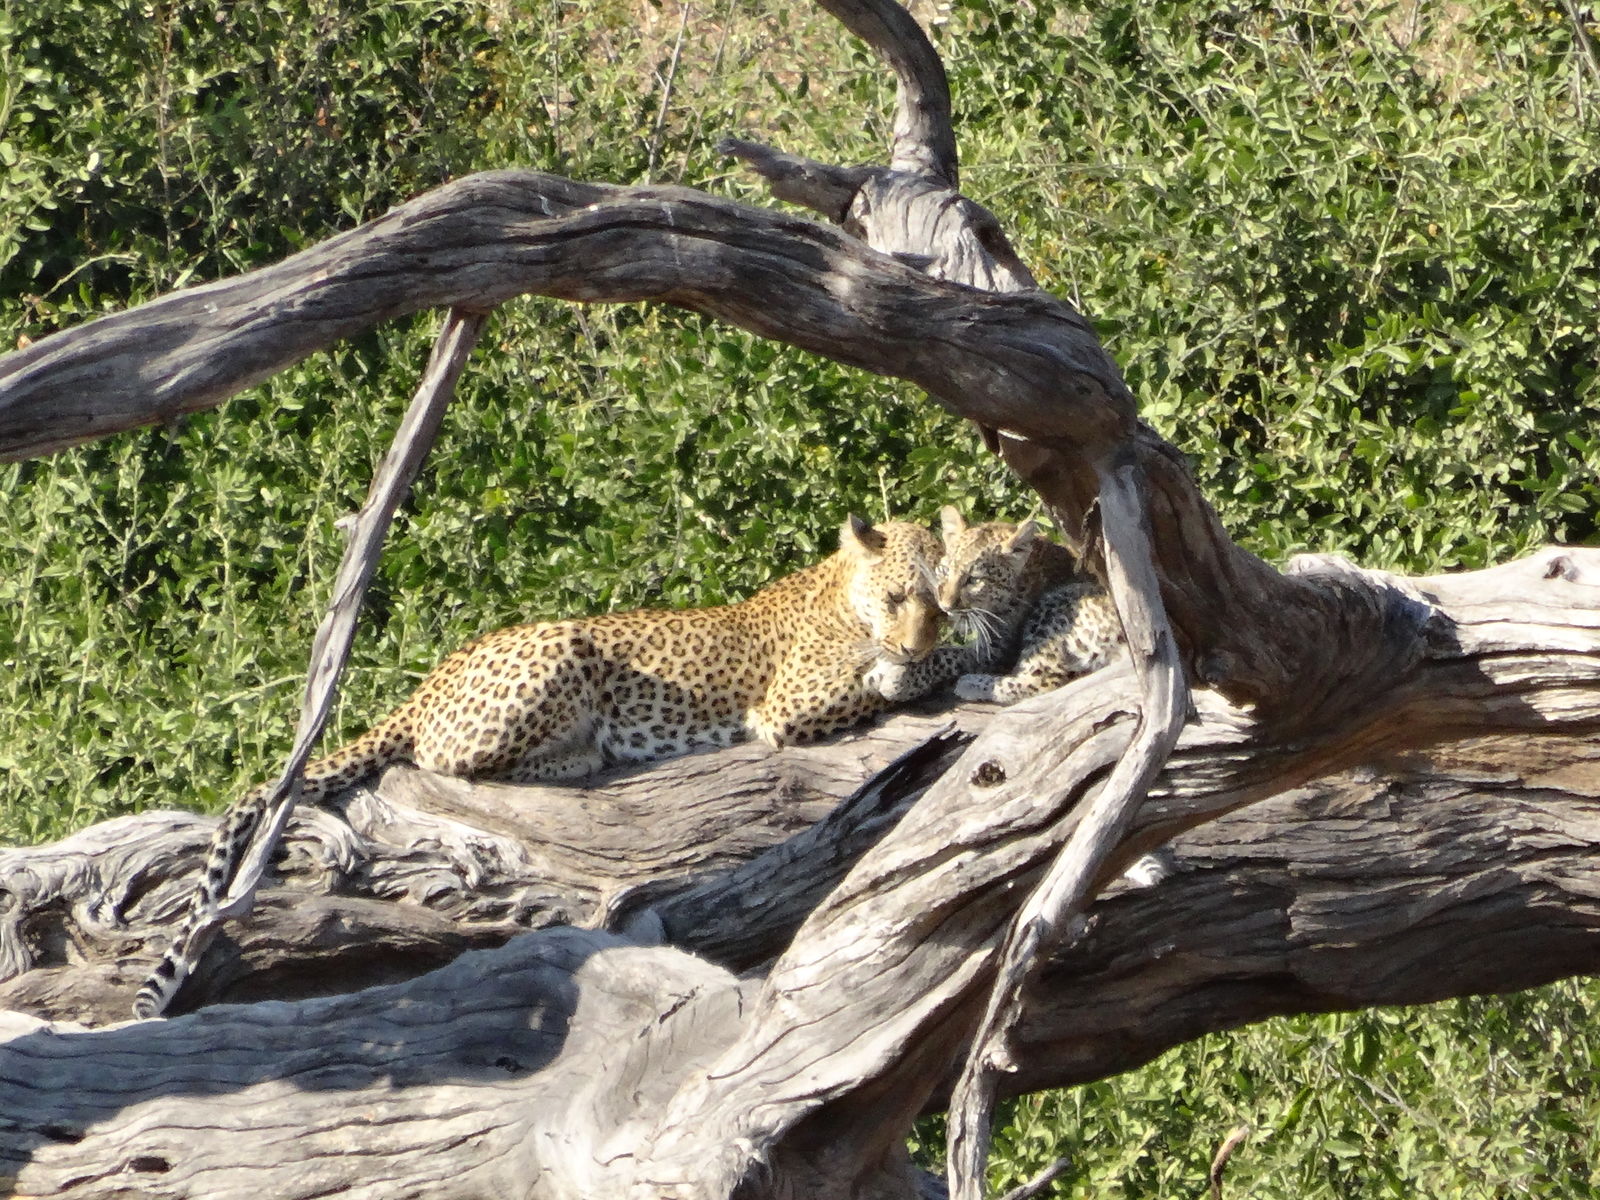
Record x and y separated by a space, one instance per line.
1357 890
405 872
1474 869
1342 893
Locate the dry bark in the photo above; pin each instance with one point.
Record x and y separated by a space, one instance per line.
398 876
481 1078
1378 768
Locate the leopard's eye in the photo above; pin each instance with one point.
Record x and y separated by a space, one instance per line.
897 597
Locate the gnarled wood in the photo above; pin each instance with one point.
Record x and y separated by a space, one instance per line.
638 1070
1349 891
398 877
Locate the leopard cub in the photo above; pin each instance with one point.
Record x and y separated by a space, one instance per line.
1021 602
1020 595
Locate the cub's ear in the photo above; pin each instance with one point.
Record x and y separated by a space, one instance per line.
951 523
862 537
1023 538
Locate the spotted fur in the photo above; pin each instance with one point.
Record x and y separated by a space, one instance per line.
562 699
1020 596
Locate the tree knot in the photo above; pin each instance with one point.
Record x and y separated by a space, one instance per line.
988 774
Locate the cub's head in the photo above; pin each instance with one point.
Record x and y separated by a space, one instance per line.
984 581
891 581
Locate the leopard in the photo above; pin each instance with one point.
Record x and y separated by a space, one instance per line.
1027 600
1021 601
563 699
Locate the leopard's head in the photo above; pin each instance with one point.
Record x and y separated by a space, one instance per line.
891 586
984 580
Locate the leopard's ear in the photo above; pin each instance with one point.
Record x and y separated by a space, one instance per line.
860 536
951 524
1023 538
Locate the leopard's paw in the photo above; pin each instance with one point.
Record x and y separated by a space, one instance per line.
976 687
889 680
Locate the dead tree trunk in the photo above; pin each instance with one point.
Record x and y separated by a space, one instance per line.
759 1005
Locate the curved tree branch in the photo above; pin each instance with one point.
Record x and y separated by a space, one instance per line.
1022 363
924 138
1070 881
484 239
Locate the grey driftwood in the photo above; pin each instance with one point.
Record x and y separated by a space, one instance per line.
685 988
1354 890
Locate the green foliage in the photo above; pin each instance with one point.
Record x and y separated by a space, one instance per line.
149 144
1474 1099
1356 282
1349 260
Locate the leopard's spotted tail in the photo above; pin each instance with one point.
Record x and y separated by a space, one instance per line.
222 864
387 741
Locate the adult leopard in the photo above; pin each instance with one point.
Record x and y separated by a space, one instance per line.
562 699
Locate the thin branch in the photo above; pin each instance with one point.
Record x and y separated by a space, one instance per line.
666 92
1036 1185
1069 884
821 187
1225 1152
924 138
331 648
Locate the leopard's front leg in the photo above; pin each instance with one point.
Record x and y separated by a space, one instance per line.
899 683
816 690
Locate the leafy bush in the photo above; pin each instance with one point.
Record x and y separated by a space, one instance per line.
1480 1098
1349 261
1358 290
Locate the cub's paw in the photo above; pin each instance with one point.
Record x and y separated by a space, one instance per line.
1150 869
890 680
976 687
